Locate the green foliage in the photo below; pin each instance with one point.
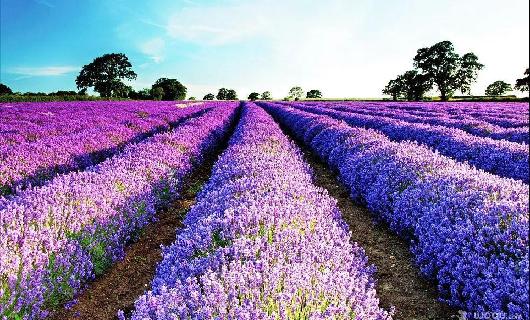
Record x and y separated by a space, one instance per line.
192 98
411 85
157 93
266 95
314 94
394 88
209 96
522 84
447 69
105 74
253 96
144 94
172 89
296 93
222 94
226 94
498 88
5 89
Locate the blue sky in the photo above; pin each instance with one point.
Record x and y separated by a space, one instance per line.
346 48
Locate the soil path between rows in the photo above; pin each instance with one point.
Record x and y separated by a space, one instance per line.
398 280
126 280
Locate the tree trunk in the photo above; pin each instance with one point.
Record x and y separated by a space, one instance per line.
444 95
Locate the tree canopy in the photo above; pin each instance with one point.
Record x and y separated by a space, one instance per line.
105 74
411 85
295 93
209 96
172 89
446 69
267 95
226 94
522 84
498 88
314 94
5 89
253 96
231 94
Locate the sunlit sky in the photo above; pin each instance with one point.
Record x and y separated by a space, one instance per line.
345 48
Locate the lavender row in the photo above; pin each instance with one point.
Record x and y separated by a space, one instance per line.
34 163
472 126
56 237
468 229
30 122
503 158
262 242
508 115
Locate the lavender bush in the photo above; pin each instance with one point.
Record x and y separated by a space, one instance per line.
503 158
468 229
262 242
102 134
468 124
55 237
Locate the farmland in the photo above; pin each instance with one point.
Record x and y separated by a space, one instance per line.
304 210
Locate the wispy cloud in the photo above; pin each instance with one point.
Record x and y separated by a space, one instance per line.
154 49
51 71
45 3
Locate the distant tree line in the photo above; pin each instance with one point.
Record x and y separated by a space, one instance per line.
440 67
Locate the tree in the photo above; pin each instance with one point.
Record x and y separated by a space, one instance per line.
105 74
522 84
314 94
157 93
498 88
394 88
231 95
173 90
414 85
209 96
121 91
295 93
266 95
253 96
192 98
222 94
5 89
445 68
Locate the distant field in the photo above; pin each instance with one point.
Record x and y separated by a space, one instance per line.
282 223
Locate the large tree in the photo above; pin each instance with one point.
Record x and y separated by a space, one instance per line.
447 69
498 88
415 85
394 88
266 95
173 89
314 94
209 96
295 93
522 84
222 94
5 89
105 74
231 94
253 96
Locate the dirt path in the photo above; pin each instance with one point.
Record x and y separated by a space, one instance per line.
121 285
399 283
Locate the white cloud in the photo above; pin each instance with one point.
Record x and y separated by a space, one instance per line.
43 71
345 48
45 3
154 49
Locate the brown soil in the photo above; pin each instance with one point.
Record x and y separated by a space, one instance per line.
126 280
399 282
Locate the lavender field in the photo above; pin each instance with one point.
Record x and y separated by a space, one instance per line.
80 182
